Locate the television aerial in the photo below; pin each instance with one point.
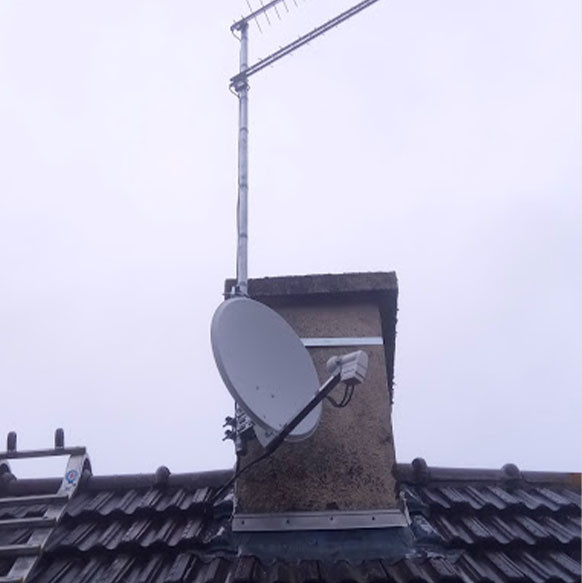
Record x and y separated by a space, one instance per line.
240 86
261 360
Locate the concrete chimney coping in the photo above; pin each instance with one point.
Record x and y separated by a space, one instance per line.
382 286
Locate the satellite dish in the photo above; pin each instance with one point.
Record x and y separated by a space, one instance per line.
264 365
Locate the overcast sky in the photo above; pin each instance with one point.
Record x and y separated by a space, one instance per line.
441 140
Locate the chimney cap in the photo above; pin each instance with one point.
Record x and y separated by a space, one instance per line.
343 284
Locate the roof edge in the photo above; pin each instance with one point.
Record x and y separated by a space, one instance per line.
418 472
405 473
207 479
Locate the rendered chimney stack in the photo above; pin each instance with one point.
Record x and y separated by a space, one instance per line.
346 465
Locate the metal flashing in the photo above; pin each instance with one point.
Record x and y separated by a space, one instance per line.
345 341
339 520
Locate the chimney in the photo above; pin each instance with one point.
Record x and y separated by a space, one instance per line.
343 473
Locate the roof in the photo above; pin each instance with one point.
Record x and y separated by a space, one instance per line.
465 525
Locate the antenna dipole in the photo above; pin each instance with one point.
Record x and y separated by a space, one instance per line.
262 10
239 83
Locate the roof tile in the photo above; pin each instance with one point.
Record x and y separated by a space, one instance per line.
179 567
533 527
88 572
557 497
136 530
564 532
62 569
152 570
340 572
484 497
308 571
434 497
533 500
210 571
511 532
474 569
109 538
242 571
118 569
504 495
566 562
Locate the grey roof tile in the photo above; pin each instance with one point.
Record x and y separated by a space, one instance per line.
118 569
507 498
483 498
210 570
406 571
566 563
533 500
511 532
152 570
505 565
557 497
574 497
374 571
533 527
434 497
460 497
179 568
473 569
136 530
472 530
563 531
341 572
243 571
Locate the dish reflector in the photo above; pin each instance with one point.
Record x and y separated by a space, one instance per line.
264 365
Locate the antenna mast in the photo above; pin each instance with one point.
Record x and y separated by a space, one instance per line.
239 84
241 87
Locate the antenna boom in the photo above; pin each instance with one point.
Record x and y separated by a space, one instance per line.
302 40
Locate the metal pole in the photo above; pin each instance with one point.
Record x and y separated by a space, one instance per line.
242 89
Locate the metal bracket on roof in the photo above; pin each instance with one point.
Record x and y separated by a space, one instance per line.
336 520
26 555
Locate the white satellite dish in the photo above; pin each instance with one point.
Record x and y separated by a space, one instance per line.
264 365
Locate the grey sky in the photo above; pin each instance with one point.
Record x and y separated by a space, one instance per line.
437 139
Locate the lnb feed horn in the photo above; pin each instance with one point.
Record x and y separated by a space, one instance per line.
351 367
